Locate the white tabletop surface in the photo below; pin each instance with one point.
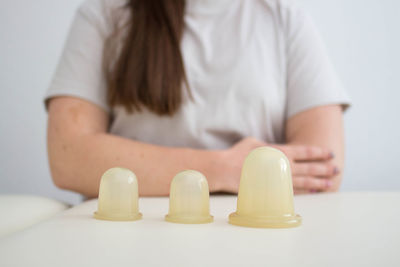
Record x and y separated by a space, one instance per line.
342 229
18 212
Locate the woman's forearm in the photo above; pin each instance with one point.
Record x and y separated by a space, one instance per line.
82 160
322 127
80 150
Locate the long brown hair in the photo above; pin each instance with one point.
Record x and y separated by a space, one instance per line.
148 69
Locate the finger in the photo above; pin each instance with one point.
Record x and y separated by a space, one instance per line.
302 153
311 183
315 169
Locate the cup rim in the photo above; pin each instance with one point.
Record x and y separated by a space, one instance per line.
118 217
284 221
189 219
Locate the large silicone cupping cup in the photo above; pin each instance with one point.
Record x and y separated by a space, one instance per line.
265 197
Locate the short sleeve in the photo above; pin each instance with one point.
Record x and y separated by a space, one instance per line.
79 72
311 78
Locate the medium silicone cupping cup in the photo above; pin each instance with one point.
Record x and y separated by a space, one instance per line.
189 199
265 196
118 196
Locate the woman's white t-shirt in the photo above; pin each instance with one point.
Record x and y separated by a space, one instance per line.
250 64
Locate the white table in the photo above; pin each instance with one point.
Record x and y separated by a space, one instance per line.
343 229
18 212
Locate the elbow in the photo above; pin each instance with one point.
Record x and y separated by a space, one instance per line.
60 183
64 179
59 179
61 163
60 171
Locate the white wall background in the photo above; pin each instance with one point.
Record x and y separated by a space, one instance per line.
362 36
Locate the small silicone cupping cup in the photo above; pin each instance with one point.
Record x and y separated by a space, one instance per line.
265 196
189 199
118 196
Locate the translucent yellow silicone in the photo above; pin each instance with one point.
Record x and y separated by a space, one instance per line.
265 196
118 196
189 199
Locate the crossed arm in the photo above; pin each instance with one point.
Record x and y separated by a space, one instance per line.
80 150
317 128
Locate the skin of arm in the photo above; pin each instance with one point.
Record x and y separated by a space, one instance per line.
320 127
80 150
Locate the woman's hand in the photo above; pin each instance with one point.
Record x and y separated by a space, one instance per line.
312 170
232 161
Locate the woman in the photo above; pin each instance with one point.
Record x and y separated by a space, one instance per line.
163 86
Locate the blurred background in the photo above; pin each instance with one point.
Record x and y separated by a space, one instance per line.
362 37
